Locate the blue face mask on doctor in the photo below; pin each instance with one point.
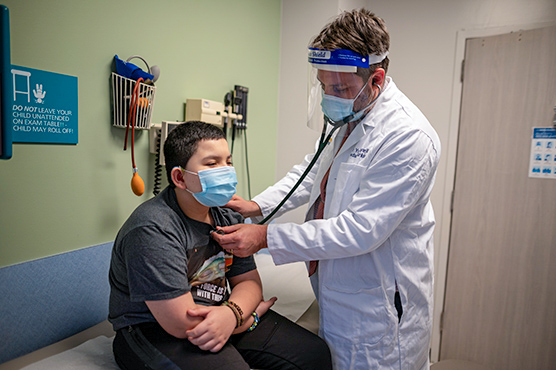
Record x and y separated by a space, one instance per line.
218 185
338 109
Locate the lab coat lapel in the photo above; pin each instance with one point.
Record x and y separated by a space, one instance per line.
351 141
327 157
358 133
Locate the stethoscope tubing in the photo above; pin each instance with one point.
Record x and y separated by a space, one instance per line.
322 144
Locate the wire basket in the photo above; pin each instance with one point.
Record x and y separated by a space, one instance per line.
122 91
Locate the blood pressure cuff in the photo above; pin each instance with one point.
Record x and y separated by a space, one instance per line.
130 70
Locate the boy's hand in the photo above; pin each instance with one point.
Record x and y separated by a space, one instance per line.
214 331
264 306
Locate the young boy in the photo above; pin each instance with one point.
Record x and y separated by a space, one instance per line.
169 301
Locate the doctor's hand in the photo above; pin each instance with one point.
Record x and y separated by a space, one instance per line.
241 240
247 208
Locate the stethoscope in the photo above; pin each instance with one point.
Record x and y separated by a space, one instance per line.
323 141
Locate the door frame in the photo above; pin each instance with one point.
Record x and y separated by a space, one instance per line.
445 214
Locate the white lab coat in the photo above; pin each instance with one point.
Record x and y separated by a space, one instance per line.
377 231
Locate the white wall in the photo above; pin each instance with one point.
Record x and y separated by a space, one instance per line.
427 39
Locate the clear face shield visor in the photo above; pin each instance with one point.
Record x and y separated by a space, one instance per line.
334 89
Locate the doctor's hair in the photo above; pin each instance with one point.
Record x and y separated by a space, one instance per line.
182 142
360 31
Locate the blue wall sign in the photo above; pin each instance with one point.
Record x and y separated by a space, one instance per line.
542 162
44 108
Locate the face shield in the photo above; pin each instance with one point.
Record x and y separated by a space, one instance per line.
334 89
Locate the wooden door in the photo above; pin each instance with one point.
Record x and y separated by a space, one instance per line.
500 301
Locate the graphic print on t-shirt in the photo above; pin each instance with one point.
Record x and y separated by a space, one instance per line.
206 274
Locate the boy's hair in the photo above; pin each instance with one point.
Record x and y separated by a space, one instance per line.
360 31
182 143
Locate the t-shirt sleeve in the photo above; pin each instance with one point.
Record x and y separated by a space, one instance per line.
157 265
241 265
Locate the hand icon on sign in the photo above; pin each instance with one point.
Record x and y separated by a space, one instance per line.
39 94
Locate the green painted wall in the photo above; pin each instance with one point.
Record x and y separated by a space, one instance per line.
56 198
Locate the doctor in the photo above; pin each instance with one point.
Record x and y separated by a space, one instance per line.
368 235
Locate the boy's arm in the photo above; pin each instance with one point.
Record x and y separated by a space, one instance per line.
247 293
172 315
220 321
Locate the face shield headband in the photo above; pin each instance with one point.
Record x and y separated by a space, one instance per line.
340 66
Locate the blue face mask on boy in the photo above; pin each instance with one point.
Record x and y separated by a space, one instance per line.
218 184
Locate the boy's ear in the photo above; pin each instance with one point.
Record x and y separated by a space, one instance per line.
177 178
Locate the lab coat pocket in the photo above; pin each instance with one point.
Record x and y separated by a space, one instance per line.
346 184
357 315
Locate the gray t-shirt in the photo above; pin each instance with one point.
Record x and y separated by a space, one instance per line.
160 253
